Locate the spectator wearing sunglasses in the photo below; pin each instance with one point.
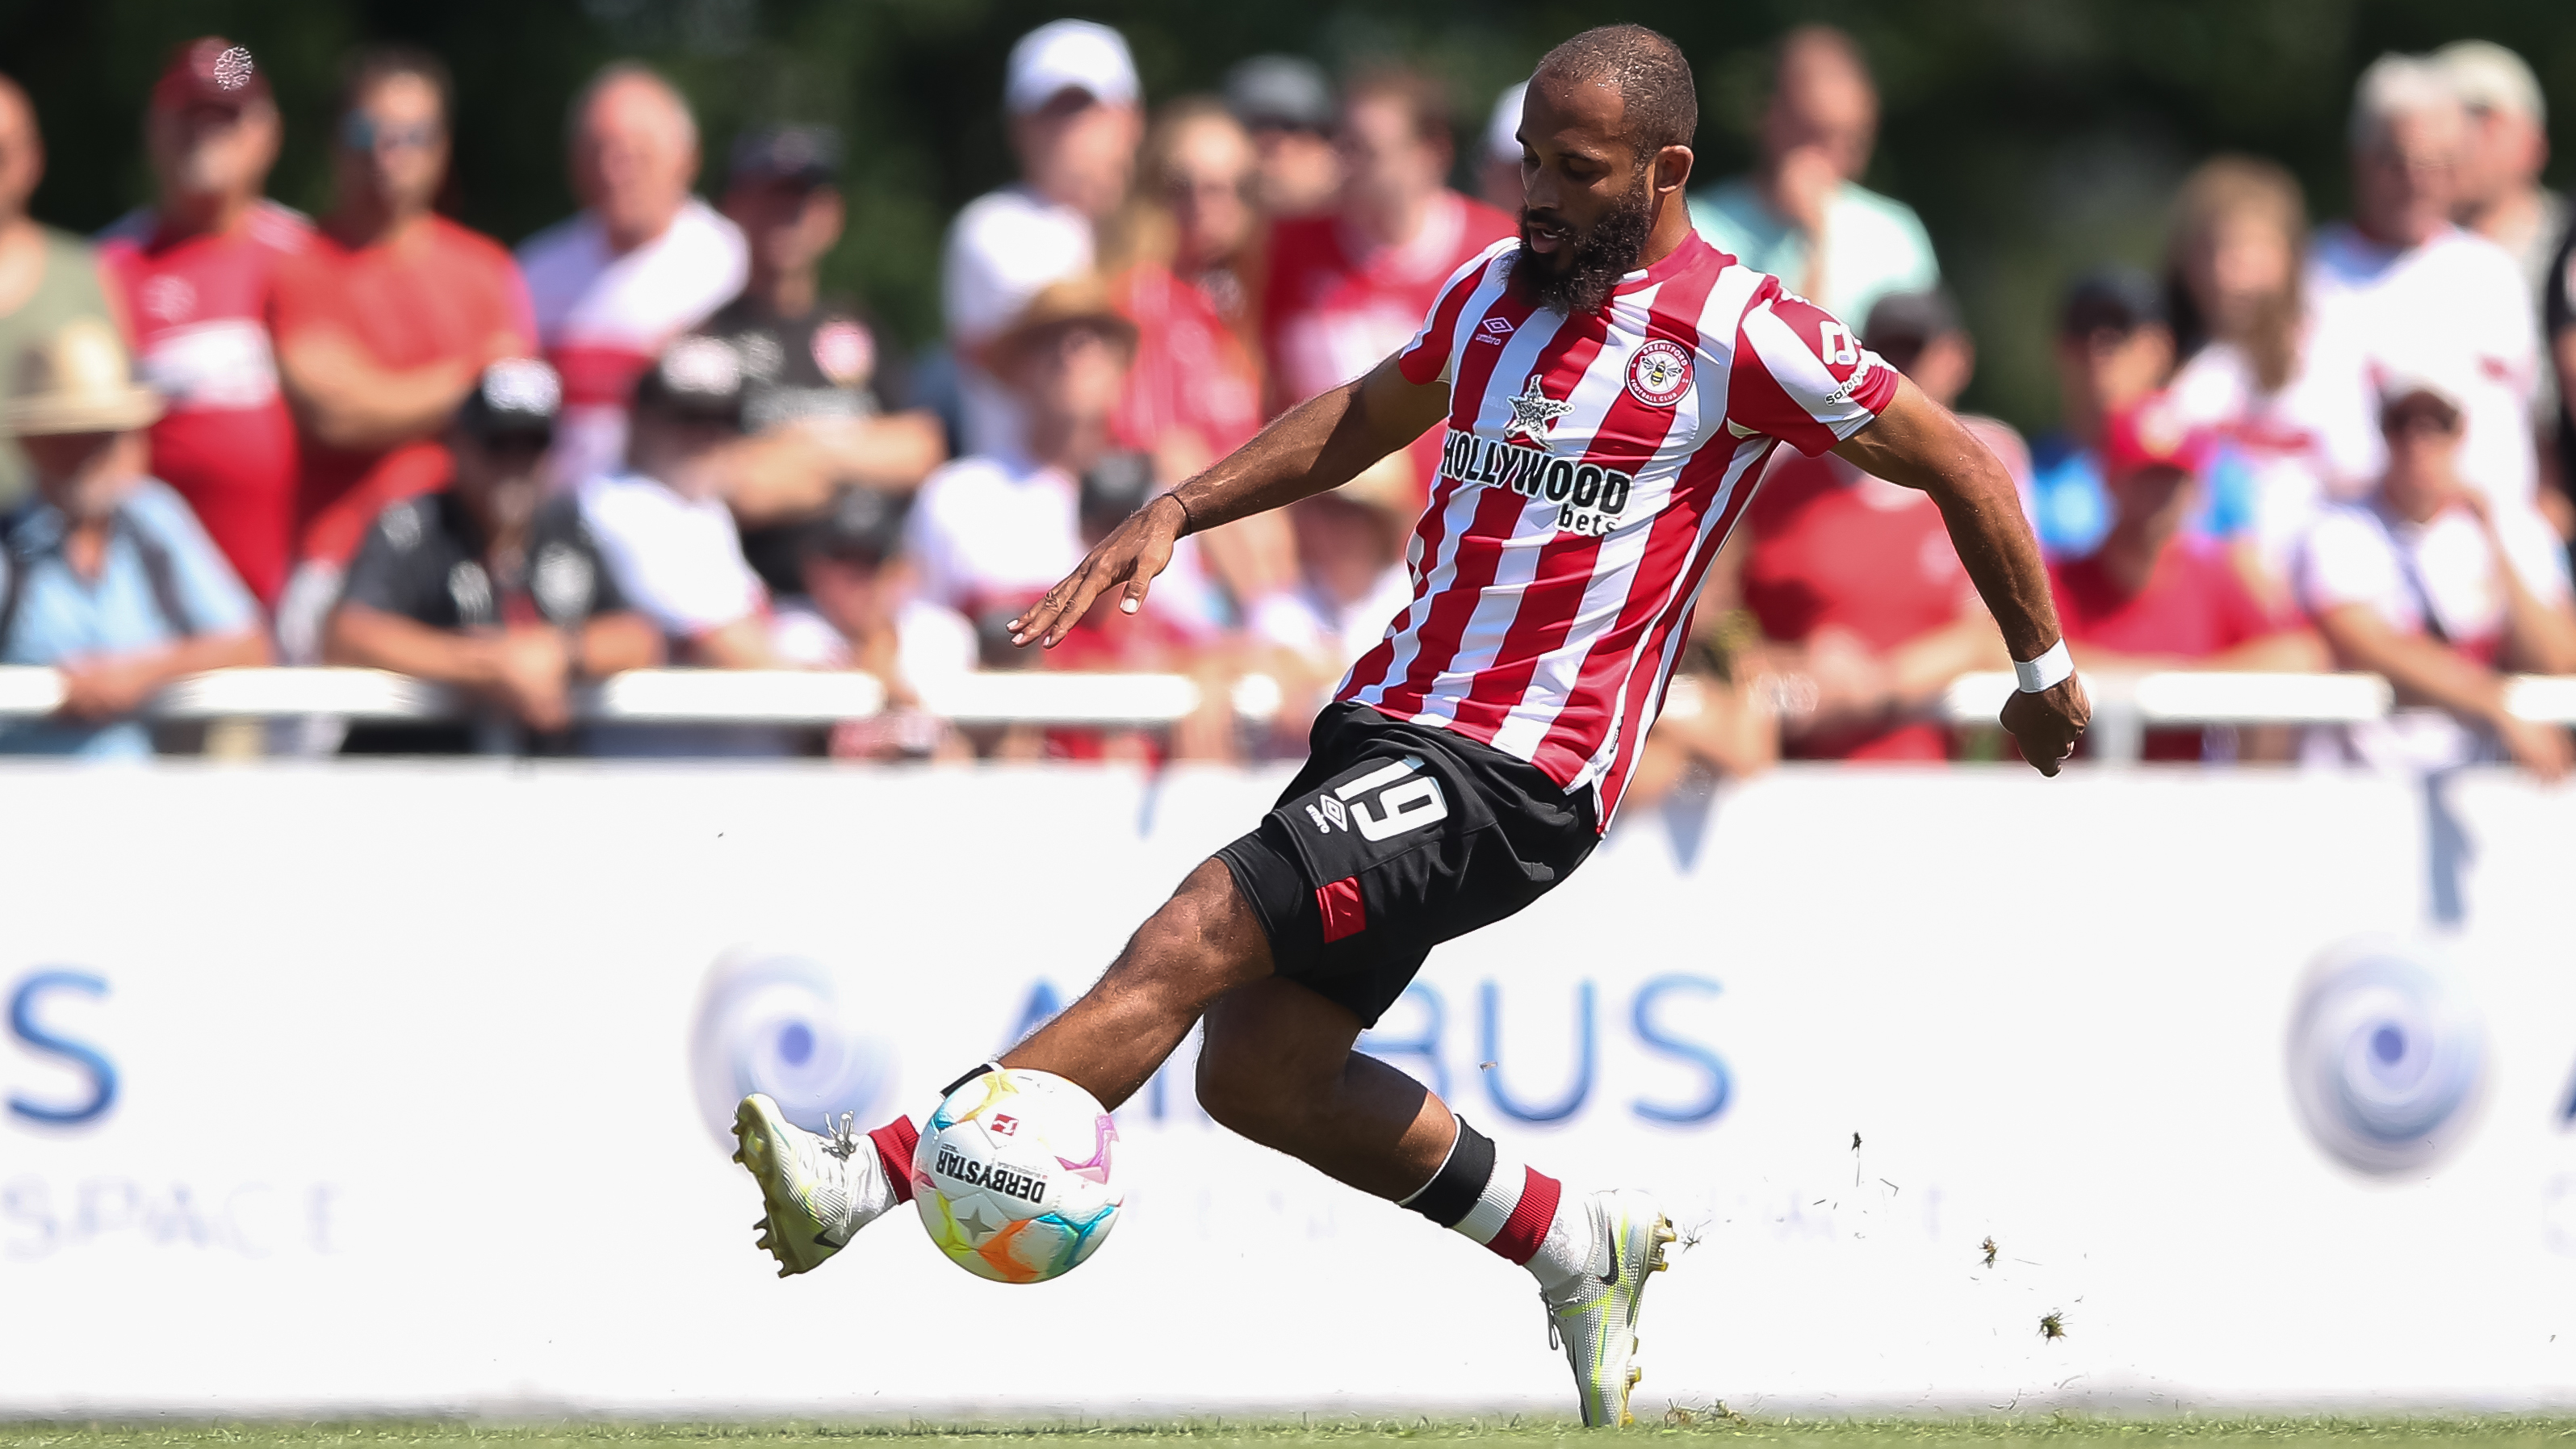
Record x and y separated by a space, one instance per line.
488 585
385 323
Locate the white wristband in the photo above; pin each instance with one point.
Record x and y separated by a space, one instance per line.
2042 674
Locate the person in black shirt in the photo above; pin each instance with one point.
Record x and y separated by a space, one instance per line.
827 408
486 584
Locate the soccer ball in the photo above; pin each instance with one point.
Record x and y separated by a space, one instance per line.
1012 1176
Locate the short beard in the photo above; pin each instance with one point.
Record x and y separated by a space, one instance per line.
1580 279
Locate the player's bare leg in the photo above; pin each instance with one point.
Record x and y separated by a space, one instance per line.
820 1188
1204 942
1278 1067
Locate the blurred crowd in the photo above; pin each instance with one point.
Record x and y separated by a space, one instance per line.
648 436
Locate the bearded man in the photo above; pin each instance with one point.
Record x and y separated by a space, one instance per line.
1611 386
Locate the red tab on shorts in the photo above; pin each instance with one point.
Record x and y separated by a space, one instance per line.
1343 913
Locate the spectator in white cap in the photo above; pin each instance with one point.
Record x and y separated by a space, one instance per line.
2500 195
2399 283
2443 591
1498 169
1072 99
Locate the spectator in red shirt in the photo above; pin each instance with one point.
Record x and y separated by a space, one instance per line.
2154 596
198 271
643 262
1348 288
1186 250
1852 580
387 319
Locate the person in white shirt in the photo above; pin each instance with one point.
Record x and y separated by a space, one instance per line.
861 611
661 526
2444 591
2232 271
1352 583
2401 287
1072 100
1803 216
993 531
641 263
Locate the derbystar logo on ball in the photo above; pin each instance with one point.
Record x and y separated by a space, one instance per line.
1011 1176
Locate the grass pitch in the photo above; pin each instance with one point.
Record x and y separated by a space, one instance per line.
2057 1431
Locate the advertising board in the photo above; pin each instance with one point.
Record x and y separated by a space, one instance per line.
401 1088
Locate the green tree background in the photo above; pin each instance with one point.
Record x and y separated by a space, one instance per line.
2036 137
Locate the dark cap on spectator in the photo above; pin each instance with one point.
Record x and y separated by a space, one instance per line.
2110 299
802 155
1116 486
862 526
517 397
1904 321
1283 91
209 71
697 379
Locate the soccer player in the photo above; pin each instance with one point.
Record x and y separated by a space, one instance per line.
1611 386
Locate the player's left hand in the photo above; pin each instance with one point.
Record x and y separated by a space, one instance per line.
2046 725
1133 553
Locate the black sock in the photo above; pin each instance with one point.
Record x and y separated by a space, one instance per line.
1452 1191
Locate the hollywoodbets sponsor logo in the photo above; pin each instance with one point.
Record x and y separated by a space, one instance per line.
991 1176
1589 497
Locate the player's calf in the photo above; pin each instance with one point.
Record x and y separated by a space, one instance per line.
1591 1254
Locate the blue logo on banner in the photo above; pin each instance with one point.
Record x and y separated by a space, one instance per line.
2386 1055
46 1040
775 1024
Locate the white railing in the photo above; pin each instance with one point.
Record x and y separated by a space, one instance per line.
2125 706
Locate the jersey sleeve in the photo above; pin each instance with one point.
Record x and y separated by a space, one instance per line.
385 575
1425 359
569 580
1801 376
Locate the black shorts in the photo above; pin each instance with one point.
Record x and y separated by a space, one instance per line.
1393 839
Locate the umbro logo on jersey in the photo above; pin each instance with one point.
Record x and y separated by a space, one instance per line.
1591 496
1534 413
1494 330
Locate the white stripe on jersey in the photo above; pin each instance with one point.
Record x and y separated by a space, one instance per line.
1555 690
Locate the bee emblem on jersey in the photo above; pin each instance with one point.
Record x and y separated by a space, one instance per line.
1534 413
1659 374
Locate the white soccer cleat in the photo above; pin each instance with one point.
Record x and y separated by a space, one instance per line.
820 1189
1595 1317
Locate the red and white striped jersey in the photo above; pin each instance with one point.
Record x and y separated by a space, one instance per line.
1592 467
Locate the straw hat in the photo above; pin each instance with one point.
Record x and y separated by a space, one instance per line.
1082 298
77 381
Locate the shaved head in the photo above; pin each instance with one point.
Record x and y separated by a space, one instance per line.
1649 74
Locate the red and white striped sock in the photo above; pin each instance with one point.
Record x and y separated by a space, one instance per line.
1518 1211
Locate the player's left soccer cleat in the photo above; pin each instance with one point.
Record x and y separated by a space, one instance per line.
819 1188
1594 1317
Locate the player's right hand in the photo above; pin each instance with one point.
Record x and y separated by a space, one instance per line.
2046 725
1133 553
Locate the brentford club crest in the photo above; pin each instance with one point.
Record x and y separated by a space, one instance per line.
1659 374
